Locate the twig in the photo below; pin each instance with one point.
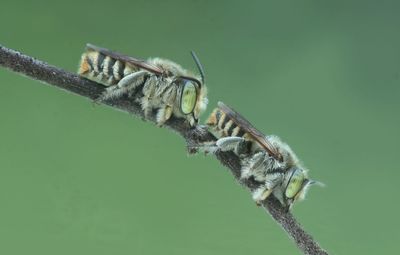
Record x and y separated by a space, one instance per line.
52 75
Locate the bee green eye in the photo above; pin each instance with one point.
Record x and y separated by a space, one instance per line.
188 98
295 184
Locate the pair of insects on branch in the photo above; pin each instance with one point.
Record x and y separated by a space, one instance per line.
164 86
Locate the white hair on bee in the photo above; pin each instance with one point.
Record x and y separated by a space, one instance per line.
202 103
167 64
170 66
289 157
248 168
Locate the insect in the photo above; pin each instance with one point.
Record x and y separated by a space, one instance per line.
162 84
265 158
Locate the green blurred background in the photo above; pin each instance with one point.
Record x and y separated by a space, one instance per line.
323 75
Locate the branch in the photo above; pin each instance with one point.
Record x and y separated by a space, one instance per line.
52 75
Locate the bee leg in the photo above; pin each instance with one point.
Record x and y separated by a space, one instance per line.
163 115
253 164
192 121
149 89
147 110
206 147
264 195
168 98
146 106
229 143
224 144
272 180
258 193
125 85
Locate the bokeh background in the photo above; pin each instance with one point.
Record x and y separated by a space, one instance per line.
82 179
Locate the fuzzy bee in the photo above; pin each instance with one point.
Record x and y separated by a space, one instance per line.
163 85
265 158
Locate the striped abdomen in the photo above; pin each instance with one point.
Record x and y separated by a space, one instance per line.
103 69
223 125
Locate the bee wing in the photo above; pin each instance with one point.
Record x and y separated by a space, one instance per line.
136 62
250 129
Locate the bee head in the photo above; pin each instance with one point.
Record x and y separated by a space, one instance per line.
295 185
192 98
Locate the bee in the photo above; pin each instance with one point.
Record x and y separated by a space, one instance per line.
162 84
266 159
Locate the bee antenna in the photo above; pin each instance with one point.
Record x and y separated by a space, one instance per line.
199 66
314 182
